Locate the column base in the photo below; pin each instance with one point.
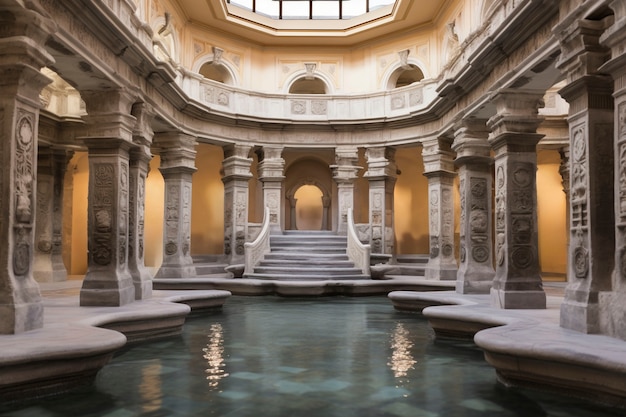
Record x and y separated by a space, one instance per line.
176 271
49 271
142 280
440 272
580 316
21 317
100 290
612 313
535 299
477 281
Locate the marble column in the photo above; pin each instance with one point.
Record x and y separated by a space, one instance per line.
178 155
475 164
51 167
591 249
439 169
381 174
514 138
271 173
139 165
109 140
345 173
613 304
236 177
22 55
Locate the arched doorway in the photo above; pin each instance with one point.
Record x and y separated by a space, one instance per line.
309 208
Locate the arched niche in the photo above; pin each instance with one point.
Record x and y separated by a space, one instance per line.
305 85
404 75
309 205
216 72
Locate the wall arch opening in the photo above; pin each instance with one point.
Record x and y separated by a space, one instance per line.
306 85
309 208
216 72
404 76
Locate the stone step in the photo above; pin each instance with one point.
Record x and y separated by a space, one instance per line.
412 259
209 268
305 256
308 233
308 249
303 260
306 270
290 277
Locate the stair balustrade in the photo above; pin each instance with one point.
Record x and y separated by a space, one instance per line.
357 252
255 251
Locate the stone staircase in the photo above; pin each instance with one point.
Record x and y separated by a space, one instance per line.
305 256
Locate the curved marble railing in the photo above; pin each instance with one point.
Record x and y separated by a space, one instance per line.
357 251
256 250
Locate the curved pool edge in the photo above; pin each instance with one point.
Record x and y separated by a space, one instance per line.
528 348
76 342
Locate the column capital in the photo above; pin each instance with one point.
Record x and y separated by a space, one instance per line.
516 120
581 52
236 164
438 157
271 164
177 151
614 38
345 169
142 132
470 142
381 163
109 114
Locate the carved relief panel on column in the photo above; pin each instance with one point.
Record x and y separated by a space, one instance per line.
621 217
103 174
171 218
578 202
479 219
24 175
523 251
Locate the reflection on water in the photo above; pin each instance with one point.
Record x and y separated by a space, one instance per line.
150 386
214 355
401 360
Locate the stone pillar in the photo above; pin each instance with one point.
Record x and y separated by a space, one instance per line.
439 169
48 266
473 159
514 138
110 127
592 234
271 167
140 157
236 177
22 55
344 173
325 209
177 166
613 304
381 173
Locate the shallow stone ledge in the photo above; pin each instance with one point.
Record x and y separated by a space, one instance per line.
257 287
54 359
557 359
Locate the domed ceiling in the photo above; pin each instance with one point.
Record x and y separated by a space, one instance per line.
237 21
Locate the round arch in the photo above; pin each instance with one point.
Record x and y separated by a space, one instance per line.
325 202
165 33
390 78
223 64
303 75
396 71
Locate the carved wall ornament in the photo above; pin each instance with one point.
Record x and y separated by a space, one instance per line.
21 259
434 246
462 254
581 262
500 249
522 257
319 107
171 248
102 254
480 253
298 107
447 249
479 221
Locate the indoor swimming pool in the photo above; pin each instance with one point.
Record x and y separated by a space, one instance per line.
270 356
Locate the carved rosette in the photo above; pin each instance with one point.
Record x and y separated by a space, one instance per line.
578 201
103 175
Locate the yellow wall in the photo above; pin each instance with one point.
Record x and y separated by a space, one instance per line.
153 221
207 202
78 169
411 203
551 216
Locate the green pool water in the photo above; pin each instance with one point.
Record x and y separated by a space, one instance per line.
268 356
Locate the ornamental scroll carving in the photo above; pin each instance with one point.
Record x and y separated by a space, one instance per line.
621 145
447 230
123 213
44 196
500 215
171 218
578 201
24 175
103 175
479 219
462 219
186 218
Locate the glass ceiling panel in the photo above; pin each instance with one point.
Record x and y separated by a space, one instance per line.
311 9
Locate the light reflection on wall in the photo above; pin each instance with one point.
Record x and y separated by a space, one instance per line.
401 361
214 354
150 387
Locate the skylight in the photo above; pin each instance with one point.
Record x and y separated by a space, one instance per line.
311 9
